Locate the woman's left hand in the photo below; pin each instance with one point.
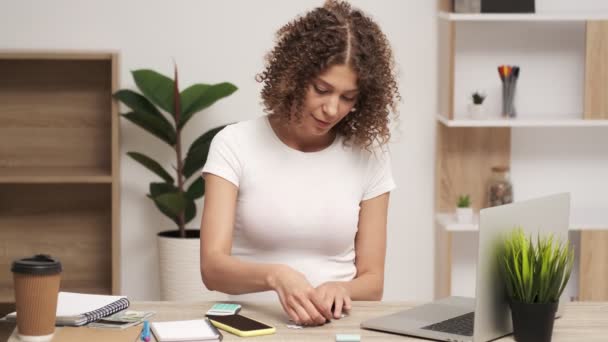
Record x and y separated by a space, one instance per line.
335 295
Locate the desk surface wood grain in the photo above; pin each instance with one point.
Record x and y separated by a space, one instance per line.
582 321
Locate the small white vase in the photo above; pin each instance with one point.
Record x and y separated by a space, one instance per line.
476 111
464 215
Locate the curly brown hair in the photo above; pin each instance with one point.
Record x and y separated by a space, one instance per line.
331 35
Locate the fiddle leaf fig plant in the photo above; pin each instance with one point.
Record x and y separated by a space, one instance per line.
163 111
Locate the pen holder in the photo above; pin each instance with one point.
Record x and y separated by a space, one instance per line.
508 99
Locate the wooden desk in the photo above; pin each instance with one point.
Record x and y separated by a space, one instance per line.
582 321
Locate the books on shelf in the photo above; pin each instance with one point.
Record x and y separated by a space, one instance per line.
76 309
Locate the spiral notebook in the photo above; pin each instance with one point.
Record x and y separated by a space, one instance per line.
76 309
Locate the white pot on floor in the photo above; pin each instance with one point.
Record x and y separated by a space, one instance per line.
179 268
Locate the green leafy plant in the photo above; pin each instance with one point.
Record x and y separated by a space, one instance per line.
163 111
535 273
464 201
478 97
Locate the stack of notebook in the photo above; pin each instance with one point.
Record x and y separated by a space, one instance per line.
76 309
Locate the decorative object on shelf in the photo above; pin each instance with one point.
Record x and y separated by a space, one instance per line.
534 275
176 201
476 105
508 75
500 189
510 6
494 6
467 6
464 212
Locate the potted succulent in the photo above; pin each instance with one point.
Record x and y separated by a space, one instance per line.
464 212
163 111
476 105
535 275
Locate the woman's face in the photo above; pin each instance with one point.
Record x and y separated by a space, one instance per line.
328 99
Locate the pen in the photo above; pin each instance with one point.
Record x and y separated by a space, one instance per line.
145 332
214 329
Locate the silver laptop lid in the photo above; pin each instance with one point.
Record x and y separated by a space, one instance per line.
545 215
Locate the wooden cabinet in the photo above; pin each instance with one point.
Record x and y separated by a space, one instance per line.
59 172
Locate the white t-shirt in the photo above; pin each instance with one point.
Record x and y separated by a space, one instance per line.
293 207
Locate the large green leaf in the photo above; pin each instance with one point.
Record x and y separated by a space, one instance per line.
191 94
200 96
190 211
198 152
151 165
157 189
196 189
195 161
173 202
156 87
160 128
201 142
138 103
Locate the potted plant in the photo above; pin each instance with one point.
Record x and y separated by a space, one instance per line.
535 275
476 105
163 111
464 212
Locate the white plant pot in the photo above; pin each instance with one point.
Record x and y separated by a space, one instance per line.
179 268
476 111
464 215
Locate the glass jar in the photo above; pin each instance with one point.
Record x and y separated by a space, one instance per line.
500 189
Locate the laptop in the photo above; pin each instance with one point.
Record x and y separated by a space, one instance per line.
487 316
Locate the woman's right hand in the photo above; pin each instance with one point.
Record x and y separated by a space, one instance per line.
298 298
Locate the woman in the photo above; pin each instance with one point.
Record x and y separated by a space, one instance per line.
296 201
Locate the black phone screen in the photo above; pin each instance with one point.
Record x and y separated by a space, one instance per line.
239 322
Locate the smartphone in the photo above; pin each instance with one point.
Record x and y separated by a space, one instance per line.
241 325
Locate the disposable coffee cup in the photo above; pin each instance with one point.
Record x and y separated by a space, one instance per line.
36 281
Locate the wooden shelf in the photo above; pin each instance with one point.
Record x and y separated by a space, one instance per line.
557 16
522 122
580 219
57 55
59 165
46 175
71 222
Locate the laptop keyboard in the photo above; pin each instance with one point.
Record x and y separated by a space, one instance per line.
459 325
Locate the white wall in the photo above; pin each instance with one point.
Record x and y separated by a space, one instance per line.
214 41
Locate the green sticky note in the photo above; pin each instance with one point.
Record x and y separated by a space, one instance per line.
348 338
224 309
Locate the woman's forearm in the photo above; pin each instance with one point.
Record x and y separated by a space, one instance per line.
368 286
233 276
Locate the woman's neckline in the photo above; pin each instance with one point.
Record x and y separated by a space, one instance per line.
292 149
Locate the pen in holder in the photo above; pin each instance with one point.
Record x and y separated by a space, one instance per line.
508 75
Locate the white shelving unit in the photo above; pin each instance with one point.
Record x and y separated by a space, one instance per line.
563 86
581 16
522 122
580 219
